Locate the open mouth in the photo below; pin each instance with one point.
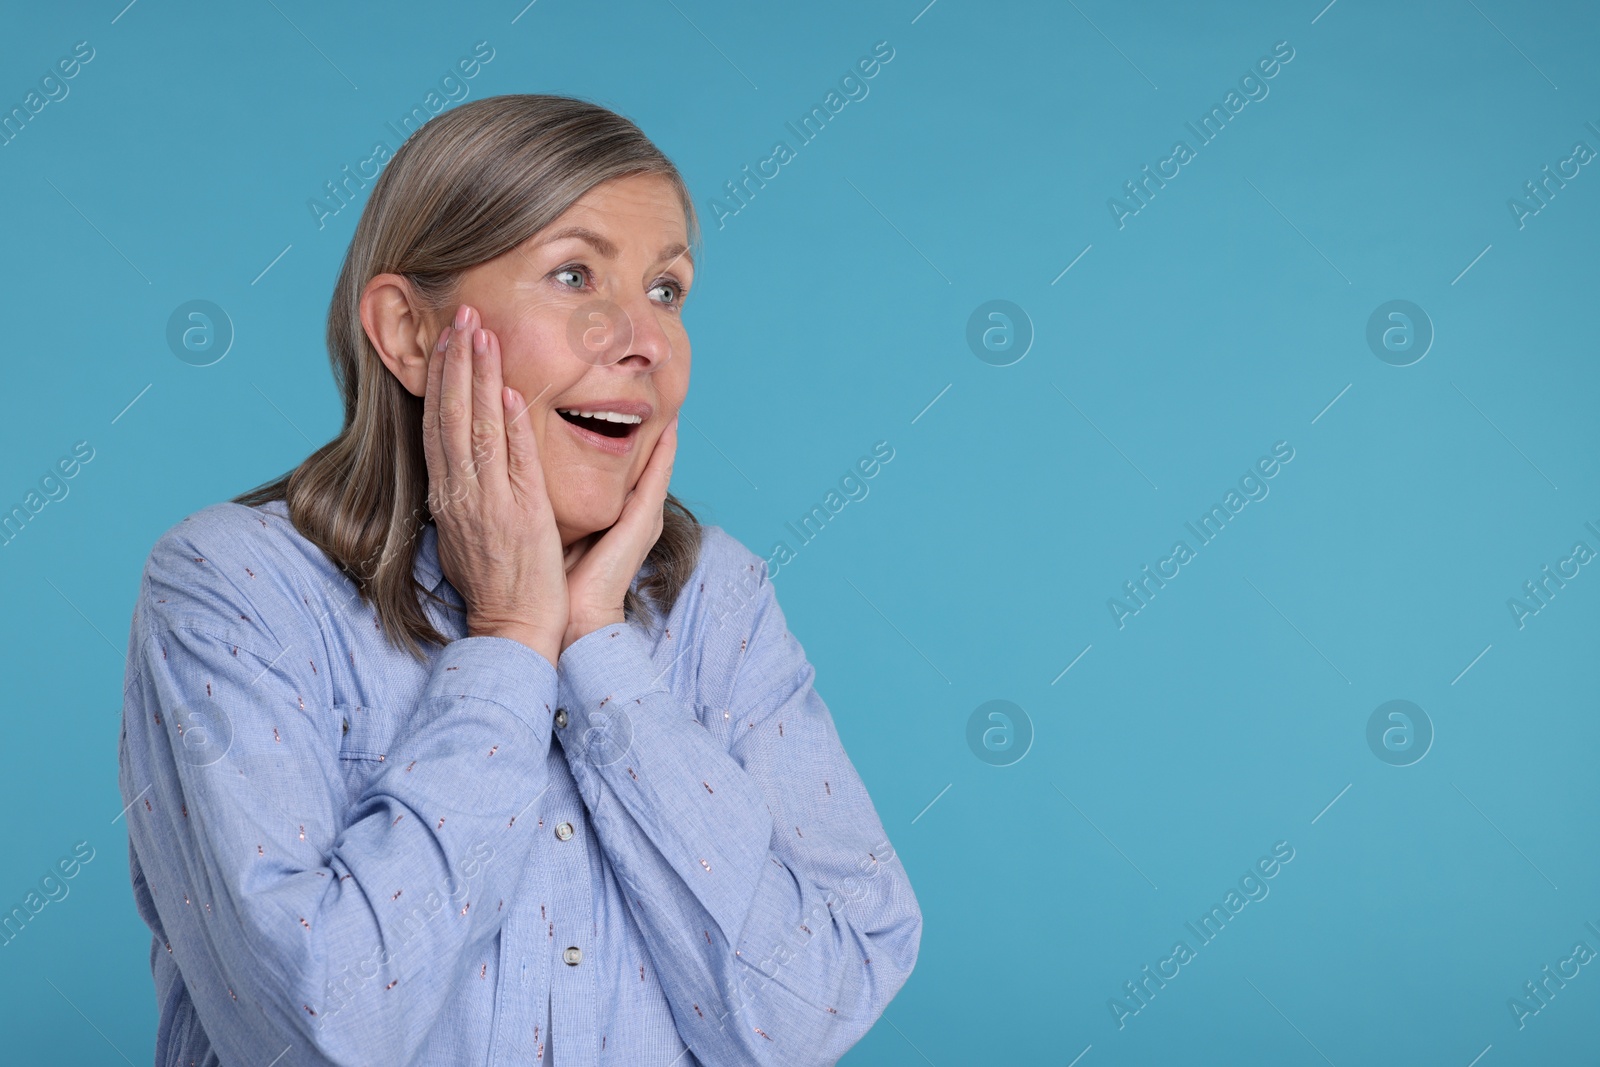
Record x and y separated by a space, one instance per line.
605 423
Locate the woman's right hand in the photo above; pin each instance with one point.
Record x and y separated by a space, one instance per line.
497 536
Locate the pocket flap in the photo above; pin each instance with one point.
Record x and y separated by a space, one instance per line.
366 732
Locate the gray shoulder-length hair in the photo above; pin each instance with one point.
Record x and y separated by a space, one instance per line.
467 186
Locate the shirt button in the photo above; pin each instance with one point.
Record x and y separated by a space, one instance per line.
561 716
573 955
564 830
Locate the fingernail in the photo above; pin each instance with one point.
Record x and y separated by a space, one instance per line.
444 340
480 342
461 317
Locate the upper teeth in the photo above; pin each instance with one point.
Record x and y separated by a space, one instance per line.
608 416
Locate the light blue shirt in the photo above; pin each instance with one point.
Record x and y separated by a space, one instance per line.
350 857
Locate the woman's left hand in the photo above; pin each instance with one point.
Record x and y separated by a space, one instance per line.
602 566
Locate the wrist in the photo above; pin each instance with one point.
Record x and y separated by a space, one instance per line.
543 643
581 627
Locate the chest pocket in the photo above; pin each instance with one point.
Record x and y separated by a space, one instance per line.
366 744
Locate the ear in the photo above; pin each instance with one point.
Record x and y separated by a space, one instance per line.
401 331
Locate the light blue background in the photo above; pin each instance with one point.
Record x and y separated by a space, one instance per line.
828 313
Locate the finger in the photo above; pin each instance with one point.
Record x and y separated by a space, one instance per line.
488 411
432 448
573 554
641 510
455 406
658 472
524 472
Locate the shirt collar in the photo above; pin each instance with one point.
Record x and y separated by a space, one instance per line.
425 569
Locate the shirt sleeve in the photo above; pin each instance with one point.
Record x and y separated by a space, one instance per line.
771 900
310 920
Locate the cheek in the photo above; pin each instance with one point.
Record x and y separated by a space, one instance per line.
674 382
682 352
533 351
543 422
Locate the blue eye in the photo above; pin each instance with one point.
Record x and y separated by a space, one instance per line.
580 276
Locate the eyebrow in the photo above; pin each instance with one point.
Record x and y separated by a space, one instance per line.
606 247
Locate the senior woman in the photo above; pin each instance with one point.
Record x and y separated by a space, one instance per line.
463 742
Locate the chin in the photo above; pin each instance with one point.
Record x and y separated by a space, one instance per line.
594 513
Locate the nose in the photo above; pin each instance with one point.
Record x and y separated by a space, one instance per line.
647 345
605 333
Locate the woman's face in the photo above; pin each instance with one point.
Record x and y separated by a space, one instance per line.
588 314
